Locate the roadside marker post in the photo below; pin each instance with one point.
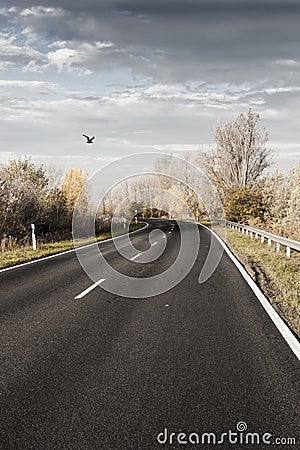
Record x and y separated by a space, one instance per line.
33 236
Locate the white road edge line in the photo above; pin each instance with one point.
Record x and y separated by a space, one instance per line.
69 251
164 237
154 243
284 330
89 289
136 256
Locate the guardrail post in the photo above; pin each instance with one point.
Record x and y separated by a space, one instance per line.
256 235
251 234
262 239
288 252
269 242
277 247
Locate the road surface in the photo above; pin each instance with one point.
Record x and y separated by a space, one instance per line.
112 373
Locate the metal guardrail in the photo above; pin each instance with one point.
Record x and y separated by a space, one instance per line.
256 232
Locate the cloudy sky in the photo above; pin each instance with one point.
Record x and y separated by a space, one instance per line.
144 75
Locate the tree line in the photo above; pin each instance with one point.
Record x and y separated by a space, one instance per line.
235 166
29 195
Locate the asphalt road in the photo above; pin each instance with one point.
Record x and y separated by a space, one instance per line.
108 372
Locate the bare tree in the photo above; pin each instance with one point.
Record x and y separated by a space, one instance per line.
281 193
293 211
240 155
186 187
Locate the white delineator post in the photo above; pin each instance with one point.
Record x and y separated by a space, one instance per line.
33 236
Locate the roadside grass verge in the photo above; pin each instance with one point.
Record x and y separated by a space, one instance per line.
276 275
22 254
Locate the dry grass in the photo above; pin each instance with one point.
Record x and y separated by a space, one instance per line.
22 254
277 276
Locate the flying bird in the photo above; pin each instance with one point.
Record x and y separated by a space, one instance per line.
89 140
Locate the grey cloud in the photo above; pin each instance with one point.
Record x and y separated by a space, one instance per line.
178 40
13 52
196 63
159 6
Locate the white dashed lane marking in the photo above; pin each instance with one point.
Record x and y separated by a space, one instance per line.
134 257
90 288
